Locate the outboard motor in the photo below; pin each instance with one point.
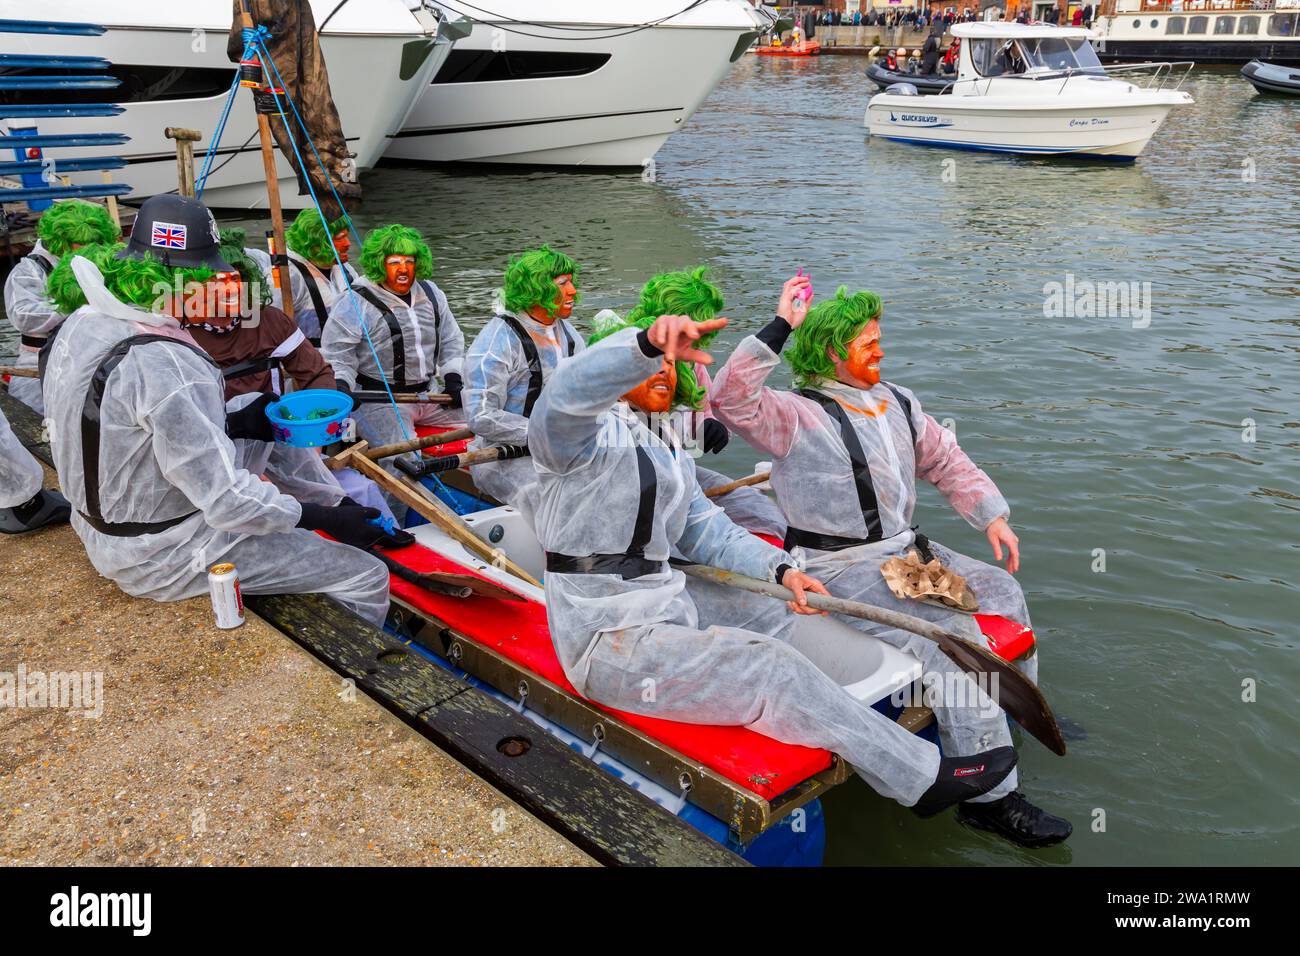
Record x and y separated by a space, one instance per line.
902 89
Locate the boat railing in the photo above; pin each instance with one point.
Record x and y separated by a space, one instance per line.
1165 75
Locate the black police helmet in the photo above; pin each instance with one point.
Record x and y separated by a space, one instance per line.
178 231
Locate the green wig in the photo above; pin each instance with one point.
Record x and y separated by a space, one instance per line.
681 293
394 240
607 323
133 281
530 280
75 222
306 236
832 324
250 273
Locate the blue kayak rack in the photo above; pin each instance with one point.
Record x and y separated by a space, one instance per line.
22 74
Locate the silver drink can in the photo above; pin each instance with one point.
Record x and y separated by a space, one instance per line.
227 602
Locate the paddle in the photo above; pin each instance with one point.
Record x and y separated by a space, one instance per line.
402 447
1018 696
720 490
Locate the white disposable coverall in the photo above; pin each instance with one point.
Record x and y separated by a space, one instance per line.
329 286
497 380
31 312
639 644
21 475
163 454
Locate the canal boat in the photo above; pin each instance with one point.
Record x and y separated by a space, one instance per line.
758 796
1207 31
1036 90
575 82
1272 77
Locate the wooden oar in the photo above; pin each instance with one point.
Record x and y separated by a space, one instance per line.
1017 695
17 372
402 447
439 515
402 398
466 459
720 490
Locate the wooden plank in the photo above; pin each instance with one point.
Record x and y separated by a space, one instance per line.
600 815
603 817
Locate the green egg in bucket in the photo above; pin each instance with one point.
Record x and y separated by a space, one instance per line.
310 418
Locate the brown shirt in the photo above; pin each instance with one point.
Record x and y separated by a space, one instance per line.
275 336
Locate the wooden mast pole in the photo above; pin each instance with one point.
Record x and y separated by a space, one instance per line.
272 180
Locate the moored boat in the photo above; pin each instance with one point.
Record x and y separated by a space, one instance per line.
1035 90
927 83
1272 78
801 48
754 794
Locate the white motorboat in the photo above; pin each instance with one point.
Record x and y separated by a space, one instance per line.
575 82
172 60
1035 90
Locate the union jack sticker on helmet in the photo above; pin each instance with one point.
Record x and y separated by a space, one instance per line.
169 235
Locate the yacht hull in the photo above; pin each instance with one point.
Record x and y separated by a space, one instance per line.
616 114
370 93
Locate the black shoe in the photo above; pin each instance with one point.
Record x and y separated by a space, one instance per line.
963 778
1016 819
45 507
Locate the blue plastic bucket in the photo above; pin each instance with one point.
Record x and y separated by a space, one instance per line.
292 425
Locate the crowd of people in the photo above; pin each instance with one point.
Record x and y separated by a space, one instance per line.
158 358
923 18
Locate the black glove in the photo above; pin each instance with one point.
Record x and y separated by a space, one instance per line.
349 523
342 389
452 385
397 538
716 436
250 422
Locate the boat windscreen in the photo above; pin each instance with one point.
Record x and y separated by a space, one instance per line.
1058 53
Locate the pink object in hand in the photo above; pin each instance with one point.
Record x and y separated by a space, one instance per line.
807 293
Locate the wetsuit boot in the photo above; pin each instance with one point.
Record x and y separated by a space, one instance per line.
1016 819
964 778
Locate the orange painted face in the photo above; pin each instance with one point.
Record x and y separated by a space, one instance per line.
655 394
566 293
342 245
399 273
862 367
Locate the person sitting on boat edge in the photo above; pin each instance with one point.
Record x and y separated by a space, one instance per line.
314 278
64 227
407 319
846 451
511 359
691 418
613 502
144 448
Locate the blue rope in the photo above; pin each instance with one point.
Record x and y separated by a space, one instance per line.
216 137
265 56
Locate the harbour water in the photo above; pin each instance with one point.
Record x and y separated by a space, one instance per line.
1150 457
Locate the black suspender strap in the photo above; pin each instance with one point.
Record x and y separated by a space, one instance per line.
90 410
427 286
249 367
569 345
33 341
313 290
645 506
906 405
43 357
861 480
633 562
41 261
394 332
535 379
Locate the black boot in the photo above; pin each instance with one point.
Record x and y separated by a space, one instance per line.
963 778
1018 820
45 507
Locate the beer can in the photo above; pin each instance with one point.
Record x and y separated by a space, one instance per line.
227 602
